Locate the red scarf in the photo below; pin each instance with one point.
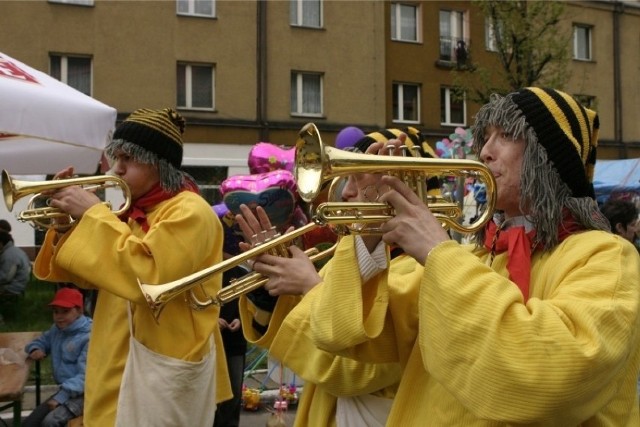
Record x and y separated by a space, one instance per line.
520 246
138 209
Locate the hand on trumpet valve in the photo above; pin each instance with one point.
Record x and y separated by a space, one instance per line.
289 269
392 147
73 199
414 228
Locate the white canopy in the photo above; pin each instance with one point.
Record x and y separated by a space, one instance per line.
46 125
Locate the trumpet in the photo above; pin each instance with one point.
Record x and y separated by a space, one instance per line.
254 280
44 217
157 296
316 164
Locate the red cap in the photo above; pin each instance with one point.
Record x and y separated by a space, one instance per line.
68 298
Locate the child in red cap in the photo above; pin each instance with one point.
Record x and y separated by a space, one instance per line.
66 342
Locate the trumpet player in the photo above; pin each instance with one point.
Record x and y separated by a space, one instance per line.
534 324
338 391
140 372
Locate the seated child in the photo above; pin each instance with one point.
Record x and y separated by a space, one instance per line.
67 342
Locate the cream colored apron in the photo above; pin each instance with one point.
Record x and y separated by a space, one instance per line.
158 390
365 410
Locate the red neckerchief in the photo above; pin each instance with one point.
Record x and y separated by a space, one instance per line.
138 209
520 245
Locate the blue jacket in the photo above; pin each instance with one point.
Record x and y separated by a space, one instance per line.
68 350
15 269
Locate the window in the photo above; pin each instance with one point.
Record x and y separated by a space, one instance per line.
582 42
306 94
588 101
72 70
208 179
305 13
452 35
196 8
491 34
405 22
406 102
195 86
453 109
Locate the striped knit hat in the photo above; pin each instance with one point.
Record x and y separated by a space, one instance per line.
414 139
158 131
565 129
415 142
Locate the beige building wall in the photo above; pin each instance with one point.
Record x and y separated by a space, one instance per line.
135 46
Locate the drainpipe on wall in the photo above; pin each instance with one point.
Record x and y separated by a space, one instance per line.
618 9
261 70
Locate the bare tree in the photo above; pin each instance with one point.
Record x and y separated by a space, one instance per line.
530 45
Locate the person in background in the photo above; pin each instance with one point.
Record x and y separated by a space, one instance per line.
338 390
66 342
5 225
623 217
15 267
143 371
235 348
537 323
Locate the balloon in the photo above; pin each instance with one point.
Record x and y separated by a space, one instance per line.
274 191
265 157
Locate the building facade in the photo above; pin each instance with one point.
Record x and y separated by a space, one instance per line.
255 70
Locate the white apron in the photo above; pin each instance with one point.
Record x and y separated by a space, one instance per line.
159 390
365 410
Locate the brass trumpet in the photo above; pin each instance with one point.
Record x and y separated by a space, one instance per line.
158 295
44 217
317 164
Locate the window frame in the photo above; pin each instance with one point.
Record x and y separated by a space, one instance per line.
396 19
300 94
453 38
448 95
64 69
397 91
299 16
189 90
192 9
490 31
589 40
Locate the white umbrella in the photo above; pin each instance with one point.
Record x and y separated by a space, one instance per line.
46 125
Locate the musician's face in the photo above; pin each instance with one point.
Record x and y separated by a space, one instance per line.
140 177
503 155
362 187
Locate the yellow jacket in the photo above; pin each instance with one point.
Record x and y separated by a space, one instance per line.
326 376
185 236
568 357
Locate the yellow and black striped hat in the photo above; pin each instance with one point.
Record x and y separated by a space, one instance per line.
567 131
414 139
158 131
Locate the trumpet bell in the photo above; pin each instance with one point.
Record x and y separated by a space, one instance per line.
8 190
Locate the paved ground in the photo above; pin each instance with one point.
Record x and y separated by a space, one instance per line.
247 418
260 418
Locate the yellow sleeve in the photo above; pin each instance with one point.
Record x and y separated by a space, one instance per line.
340 376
